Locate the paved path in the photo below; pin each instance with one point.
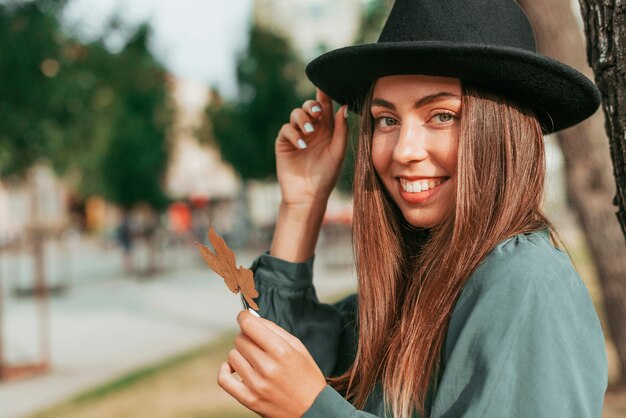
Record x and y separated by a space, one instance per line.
103 328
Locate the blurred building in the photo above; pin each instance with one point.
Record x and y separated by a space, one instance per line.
39 203
196 170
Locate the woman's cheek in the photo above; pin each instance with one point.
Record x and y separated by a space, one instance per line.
381 156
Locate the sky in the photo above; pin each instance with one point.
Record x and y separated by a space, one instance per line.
194 39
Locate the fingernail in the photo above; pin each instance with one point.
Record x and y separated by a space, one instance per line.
253 312
301 144
316 109
308 128
345 112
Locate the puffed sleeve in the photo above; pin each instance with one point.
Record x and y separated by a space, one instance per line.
524 340
287 297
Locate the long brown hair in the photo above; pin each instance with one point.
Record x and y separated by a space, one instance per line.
408 286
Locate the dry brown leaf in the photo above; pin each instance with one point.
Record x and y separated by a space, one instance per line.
223 263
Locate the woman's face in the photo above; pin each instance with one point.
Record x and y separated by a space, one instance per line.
414 143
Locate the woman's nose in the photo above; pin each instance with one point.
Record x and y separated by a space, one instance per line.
410 146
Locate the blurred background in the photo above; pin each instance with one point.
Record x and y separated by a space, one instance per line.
126 130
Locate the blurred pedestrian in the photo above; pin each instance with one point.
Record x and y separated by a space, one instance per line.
125 236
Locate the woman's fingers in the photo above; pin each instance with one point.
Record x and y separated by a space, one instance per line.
233 386
302 121
293 341
313 108
242 366
327 104
259 334
289 133
253 353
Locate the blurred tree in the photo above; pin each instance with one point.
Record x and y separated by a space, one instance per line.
132 113
32 114
68 104
245 129
134 163
31 86
590 183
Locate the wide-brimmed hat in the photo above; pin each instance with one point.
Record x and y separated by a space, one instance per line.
489 43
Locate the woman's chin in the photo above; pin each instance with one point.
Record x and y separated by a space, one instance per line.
421 220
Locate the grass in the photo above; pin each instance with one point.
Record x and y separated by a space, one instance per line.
183 386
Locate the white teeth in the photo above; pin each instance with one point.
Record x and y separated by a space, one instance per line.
419 186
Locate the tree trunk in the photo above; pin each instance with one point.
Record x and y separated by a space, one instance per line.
590 183
605 26
37 236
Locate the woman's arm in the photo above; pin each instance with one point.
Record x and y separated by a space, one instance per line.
297 231
279 377
309 152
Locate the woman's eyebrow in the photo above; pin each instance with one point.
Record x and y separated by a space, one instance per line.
377 101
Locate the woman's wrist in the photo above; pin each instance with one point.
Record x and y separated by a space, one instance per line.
303 211
297 231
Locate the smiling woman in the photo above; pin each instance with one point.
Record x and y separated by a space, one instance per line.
466 305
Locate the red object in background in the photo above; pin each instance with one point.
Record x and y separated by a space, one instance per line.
180 217
198 202
20 372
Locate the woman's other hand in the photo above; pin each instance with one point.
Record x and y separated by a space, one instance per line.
279 378
309 152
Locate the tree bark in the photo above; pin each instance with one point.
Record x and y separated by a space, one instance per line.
605 27
589 179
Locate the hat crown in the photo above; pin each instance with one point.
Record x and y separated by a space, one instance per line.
488 22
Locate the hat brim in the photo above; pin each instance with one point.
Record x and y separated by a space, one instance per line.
559 95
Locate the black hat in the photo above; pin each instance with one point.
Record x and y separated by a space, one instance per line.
487 42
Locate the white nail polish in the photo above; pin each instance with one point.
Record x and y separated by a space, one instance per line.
316 109
253 312
308 128
345 112
301 144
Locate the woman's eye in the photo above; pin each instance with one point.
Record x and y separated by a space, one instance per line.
444 117
386 121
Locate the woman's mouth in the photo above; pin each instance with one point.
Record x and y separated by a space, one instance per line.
420 185
419 191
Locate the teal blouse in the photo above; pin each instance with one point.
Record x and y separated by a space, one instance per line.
524 339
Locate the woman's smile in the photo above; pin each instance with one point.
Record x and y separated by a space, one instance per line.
419 190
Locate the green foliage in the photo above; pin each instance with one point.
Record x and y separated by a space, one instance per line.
135 161
32 109
245 129
77 105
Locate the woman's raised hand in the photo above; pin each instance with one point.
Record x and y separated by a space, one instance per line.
309 152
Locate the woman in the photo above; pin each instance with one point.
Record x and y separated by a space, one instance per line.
465 306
